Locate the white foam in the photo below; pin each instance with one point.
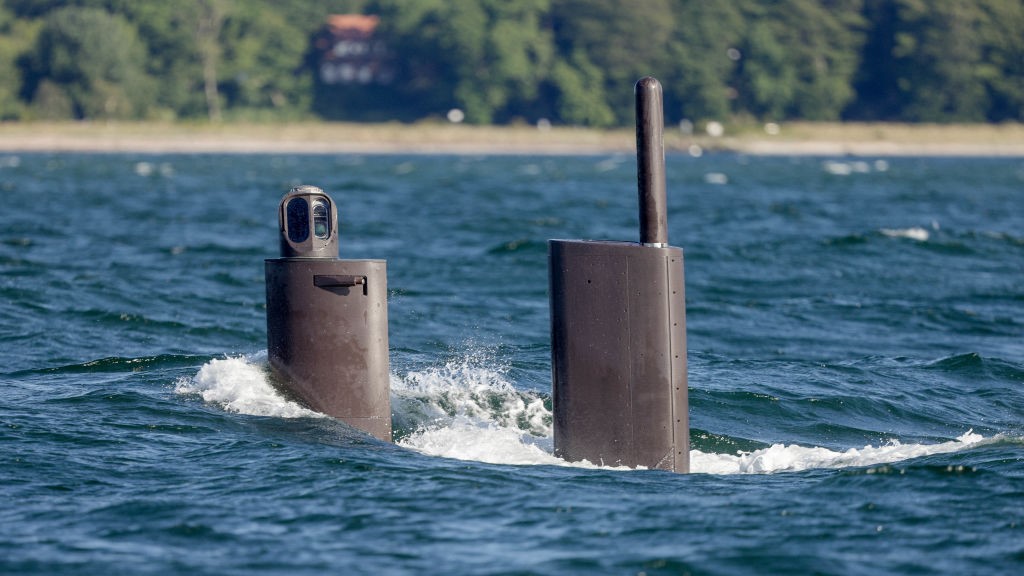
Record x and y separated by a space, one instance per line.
241 385
785 458
915 233
468 410
143 168
841 168
716 178
468 387
465 438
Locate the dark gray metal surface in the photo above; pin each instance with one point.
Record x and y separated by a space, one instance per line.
650 162
328 343
618 329
327 319
618 334
299 235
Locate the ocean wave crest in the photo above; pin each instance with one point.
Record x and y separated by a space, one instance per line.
467 409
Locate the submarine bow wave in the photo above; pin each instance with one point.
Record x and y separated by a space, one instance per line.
467 410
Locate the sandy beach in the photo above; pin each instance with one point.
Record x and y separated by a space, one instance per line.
825 139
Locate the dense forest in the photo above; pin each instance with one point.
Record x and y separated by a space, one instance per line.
501 61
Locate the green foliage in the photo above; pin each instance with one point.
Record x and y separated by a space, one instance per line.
822 40
569 61
942 61
938 55
703 50
261 61
1002 58
580 88
625 42
93 61
767 77
481 56
15 40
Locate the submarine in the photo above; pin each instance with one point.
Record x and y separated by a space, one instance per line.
617 324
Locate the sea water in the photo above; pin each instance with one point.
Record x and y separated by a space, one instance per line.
856 370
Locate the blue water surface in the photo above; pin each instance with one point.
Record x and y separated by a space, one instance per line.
856 370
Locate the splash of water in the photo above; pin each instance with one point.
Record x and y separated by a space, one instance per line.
241 385
786 458
466 409
471 388
915 233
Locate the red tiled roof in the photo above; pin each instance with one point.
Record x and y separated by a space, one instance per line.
352 22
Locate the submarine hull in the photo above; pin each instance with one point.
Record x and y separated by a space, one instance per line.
327 337
618 333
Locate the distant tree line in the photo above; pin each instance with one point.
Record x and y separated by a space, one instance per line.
501 61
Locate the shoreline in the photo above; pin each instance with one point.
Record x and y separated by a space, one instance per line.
796 139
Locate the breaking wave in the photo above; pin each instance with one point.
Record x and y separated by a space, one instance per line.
465 409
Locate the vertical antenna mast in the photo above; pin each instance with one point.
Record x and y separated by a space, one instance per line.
650 162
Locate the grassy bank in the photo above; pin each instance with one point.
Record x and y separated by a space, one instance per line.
328 137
